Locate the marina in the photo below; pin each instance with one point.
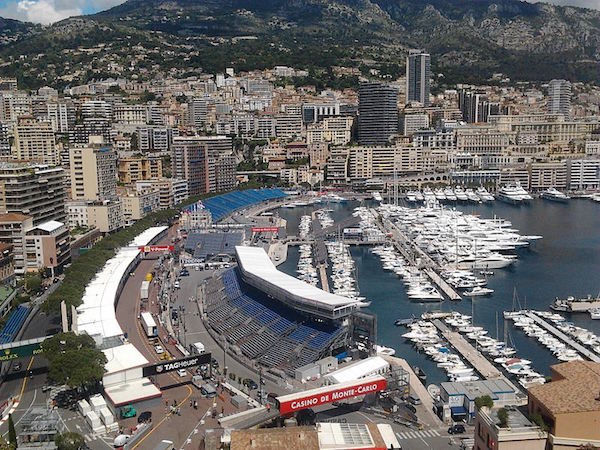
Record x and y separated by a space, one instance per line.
538 273
592 356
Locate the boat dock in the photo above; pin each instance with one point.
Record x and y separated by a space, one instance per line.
323 275
583 351
411 252
473 356
444 287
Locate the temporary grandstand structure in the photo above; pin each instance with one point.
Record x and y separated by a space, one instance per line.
266 330
258 270
206 245
375 365
123 381
221 206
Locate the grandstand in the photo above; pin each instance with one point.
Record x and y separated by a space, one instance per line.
257 269
272 333
13 324
221 206
206 245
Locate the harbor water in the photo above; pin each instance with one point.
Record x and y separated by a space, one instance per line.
565 262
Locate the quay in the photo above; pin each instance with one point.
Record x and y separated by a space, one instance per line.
410 251
441 283
473 356
563 337
323 274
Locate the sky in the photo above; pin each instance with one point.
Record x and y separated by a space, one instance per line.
49 11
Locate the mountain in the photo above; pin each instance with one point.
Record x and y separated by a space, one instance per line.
469 39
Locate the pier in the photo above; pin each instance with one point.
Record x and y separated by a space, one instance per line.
444 287
323 275
473 356
411 252
563 337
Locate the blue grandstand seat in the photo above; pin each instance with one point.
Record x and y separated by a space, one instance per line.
13 324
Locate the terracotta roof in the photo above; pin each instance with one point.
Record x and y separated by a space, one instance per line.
13 217
575 388
297 438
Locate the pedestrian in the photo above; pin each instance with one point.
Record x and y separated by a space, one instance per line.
191 403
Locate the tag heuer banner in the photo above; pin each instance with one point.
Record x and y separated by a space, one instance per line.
176 364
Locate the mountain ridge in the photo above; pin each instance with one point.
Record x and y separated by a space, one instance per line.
468 40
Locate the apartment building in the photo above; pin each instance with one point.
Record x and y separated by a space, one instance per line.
132 169
34 141
482 140
569 405
137 204
549 174
13 228
337 165
7 266
206 162
519 433
584 174
47 245
288 126
130 114
93 171
172 191
333 130
106 216
36 190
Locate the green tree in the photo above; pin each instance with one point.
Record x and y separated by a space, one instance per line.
69 441
74 359
503 417
539 421
33 283
12 433
484 400
5 445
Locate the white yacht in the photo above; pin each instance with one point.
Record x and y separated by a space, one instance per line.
478 292
484 195
377 197
555 195
595 313
510 194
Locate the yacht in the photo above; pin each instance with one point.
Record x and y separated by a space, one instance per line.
595 313
377 197
510 194
484 195
555 195
460 194
478 292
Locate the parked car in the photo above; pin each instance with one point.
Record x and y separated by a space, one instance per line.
159 350
182 372
17 366
145 417
456 429
250 383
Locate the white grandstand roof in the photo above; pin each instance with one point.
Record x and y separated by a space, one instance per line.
147 236
123 357
360 369
255 261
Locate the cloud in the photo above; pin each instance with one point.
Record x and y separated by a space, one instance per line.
50 11
592 4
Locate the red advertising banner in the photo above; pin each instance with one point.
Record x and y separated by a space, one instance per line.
265 229
156 248
321 396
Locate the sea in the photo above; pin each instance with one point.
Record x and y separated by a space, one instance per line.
566 261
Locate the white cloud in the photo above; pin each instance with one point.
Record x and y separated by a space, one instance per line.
50 11
592 4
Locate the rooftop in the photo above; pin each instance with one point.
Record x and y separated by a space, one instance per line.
575 388
50 226
297 438
516 419
256 262
474 389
